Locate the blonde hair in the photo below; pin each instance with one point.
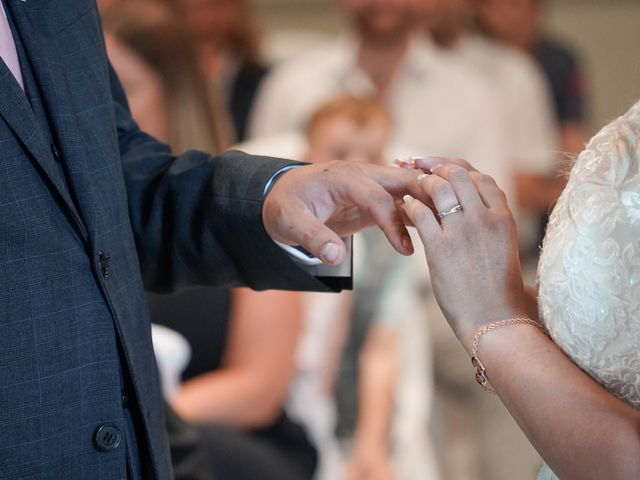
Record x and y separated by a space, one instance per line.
361 110
151 30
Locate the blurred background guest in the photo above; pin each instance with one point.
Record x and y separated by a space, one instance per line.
158 68
227 39
523 97
519 23
165 89
242 342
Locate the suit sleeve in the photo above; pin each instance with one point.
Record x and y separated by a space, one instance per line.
196 218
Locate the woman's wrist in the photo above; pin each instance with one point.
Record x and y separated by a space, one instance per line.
481 372
500 345
474 325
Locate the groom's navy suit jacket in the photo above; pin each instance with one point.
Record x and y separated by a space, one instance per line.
92 211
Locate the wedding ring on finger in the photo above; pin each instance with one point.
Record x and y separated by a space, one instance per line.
456 209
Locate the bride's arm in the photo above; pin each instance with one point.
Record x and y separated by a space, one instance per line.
531 302
580 429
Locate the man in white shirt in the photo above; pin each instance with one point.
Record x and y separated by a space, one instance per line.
436 108
523 99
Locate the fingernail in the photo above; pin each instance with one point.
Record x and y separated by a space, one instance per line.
403 164
422 175
435 167
418 157
407 199
331 253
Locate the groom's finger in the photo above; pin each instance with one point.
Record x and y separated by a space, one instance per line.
378 203
296 225
396 181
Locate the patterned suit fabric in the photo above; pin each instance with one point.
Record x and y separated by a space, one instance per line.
92 211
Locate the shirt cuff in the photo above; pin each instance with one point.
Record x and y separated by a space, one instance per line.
274 177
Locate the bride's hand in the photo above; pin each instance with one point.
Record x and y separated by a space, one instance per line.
472 253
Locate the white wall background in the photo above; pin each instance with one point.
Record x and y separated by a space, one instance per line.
608 34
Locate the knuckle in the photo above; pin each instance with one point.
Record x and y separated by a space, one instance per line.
419 213
352 167
464 163
309 236
502 216
380 198
338 167
306 237
458 174
503 220
279 217
422 215
484 179
442 189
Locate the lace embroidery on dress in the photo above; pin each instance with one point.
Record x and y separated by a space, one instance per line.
589 272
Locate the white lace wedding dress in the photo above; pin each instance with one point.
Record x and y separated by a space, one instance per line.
589 273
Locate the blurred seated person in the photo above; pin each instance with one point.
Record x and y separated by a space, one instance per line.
381 323
228 45
242 342
523 96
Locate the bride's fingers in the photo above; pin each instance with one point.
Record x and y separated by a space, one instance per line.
488 190
460 179
439 191
423 219
428 163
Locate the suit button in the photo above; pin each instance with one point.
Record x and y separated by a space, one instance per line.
103 260
107 438
56 152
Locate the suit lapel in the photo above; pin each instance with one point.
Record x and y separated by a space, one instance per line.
17 112
50 79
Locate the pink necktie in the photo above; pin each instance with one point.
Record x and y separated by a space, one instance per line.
8 48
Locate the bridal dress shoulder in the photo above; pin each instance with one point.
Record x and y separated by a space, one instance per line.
589 272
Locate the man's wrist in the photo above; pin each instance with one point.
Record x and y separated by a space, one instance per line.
274 178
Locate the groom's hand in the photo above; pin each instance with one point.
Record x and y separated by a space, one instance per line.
315 205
